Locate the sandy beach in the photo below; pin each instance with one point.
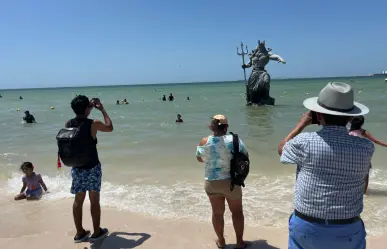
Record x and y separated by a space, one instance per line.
50 226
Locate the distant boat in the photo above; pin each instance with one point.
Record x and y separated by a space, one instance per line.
383 73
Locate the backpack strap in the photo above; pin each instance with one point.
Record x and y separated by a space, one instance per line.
235 143
68 124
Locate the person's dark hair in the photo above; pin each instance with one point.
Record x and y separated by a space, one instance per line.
216 126
79 104
27 165
357 123
336 120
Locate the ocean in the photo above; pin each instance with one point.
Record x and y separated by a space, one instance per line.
149 163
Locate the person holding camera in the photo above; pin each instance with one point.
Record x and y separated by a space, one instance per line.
331 168
87 178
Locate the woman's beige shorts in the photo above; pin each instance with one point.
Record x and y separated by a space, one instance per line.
222 188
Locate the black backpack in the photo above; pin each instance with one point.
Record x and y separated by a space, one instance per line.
71 149
240 164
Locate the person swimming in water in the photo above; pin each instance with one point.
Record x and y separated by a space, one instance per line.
125 102
118 102
179 120
20 97
29 118
171 98
164 98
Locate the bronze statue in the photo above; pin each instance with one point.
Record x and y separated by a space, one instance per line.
258 85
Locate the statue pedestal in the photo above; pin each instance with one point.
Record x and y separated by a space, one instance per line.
269 101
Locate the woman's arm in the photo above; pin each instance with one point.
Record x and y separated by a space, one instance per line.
368 135
202 142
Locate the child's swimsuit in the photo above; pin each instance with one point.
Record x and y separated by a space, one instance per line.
33 185
357 133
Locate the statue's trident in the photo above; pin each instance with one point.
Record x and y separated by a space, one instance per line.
243 53
243 58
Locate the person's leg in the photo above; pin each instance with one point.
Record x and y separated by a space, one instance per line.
292 241
218 209
306 235
79 190
33 198
94 187
20 196
238 220
348 236
95 209
77 212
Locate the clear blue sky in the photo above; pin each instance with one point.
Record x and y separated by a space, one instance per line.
94 42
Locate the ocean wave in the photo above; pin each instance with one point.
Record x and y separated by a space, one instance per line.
267 200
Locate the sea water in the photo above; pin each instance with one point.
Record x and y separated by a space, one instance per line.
149 163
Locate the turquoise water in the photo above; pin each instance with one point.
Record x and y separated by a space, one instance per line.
149 163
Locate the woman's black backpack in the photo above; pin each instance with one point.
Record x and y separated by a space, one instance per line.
240 164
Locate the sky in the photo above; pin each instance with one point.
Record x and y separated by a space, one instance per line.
46 43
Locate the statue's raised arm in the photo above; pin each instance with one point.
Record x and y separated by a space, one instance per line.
276 57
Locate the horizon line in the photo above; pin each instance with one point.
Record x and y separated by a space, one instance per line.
179 83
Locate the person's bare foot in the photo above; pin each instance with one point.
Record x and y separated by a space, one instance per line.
221 243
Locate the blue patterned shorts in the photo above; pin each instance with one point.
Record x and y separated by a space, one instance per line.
86 179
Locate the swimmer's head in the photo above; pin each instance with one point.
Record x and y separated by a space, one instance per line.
219 124
178 116
81 105
27 112
27 168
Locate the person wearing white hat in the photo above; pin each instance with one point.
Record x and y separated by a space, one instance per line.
331 168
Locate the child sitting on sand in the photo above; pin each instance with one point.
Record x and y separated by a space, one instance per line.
357 130
33 182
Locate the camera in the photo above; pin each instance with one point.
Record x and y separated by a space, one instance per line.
94 102
314 118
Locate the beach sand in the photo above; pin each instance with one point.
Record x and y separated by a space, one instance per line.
50 226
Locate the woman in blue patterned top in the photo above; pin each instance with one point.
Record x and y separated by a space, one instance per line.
215 151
